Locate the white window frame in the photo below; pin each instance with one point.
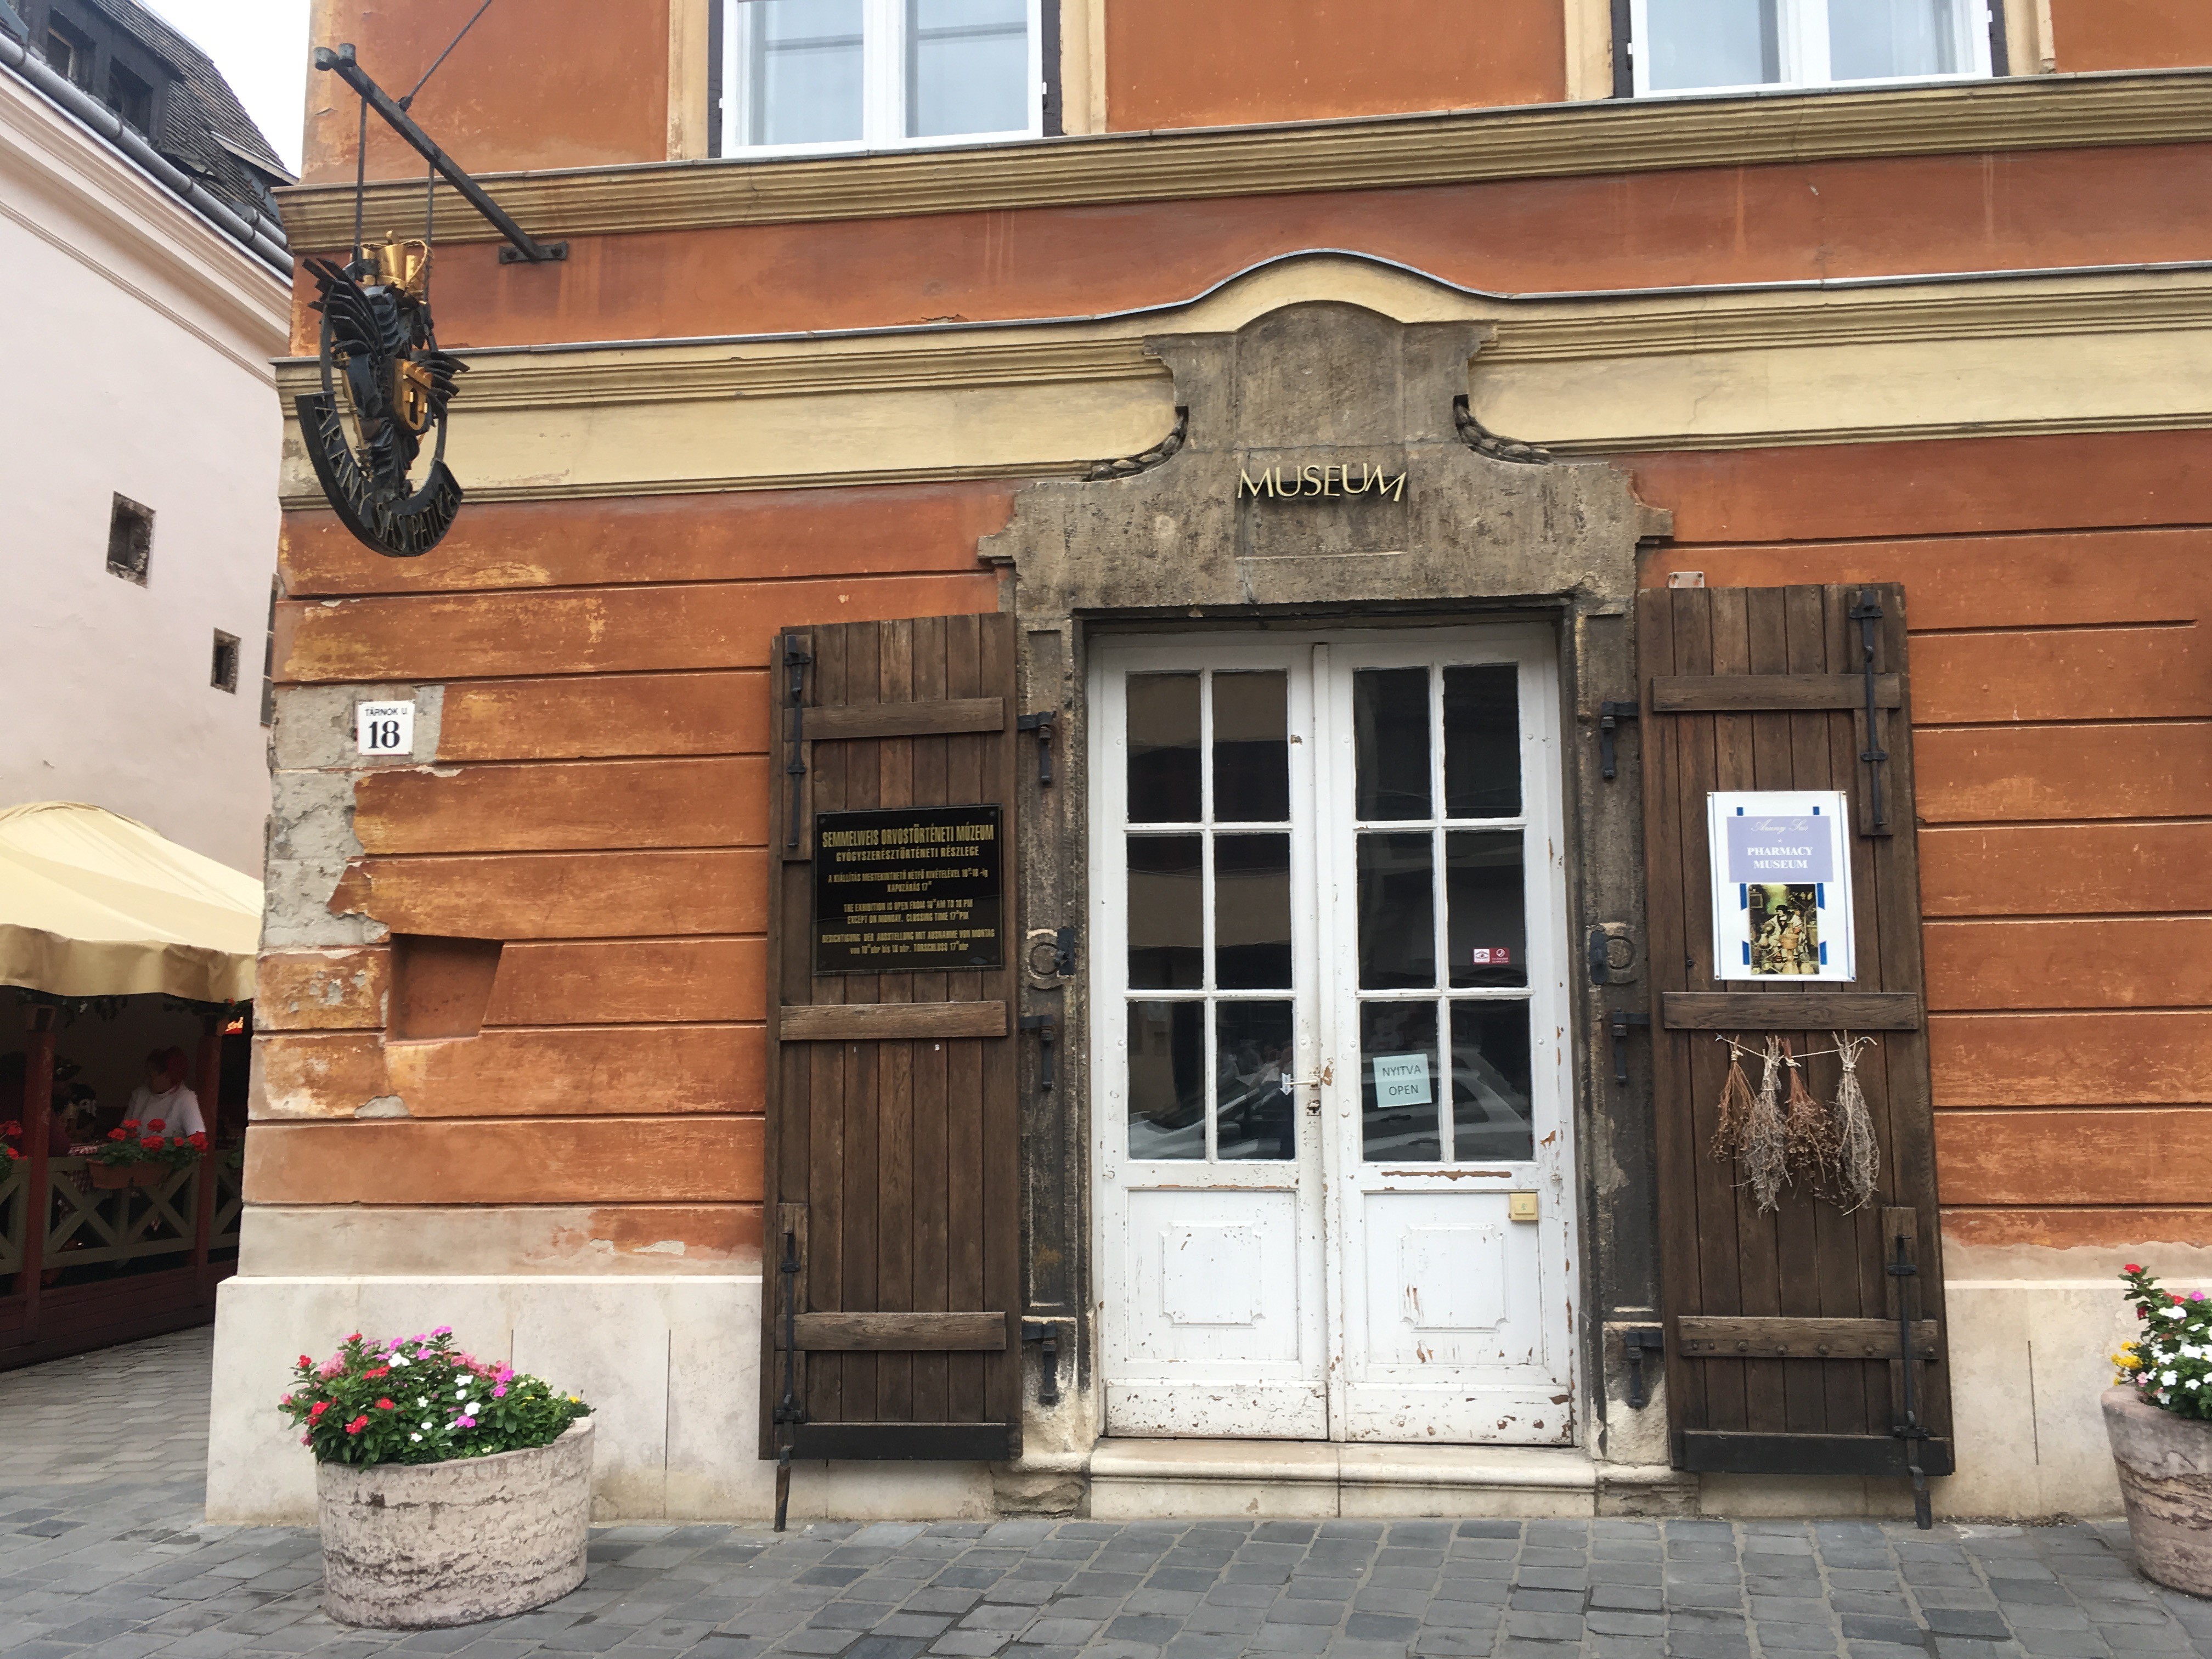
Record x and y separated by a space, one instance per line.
1803 26
883 87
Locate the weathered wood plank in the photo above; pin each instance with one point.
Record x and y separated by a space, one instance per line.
2102 1156
885 1022
938 718
660 1160
2066 869
1804 1338
2149 672
604 716
900 1332
1786 1010
2115 962
2120 1057
1989 774
1678 694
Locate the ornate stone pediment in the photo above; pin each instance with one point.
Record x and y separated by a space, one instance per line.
1322 455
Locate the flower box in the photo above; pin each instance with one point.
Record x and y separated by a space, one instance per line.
421 1546
448 1489
110 1176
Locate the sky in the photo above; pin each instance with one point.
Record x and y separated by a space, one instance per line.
261 47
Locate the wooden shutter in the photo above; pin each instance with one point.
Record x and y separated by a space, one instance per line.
1782 1345
893 1174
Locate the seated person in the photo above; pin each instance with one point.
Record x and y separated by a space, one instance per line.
165 1098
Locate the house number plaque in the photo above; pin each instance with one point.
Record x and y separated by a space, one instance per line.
909 889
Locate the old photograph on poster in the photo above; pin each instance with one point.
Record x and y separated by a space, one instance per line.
1782 885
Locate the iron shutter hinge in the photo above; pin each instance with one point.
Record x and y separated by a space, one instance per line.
1609 716
796 658
1635 1342
1867 613
1045 1333
1041 725
1042 1024
1622 1019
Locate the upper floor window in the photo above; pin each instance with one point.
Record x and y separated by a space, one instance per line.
878 74
67 52
1733 46
131 98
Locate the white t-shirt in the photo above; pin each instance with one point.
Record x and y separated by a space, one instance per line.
178 1108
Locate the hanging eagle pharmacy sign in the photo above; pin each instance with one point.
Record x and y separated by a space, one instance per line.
380 419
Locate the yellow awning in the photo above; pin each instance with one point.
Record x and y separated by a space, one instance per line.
94 904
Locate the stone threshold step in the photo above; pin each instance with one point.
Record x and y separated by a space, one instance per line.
1303 1479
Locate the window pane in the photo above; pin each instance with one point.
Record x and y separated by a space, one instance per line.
968 67
1252 1107
1490 1114
805 64
1252 912
1166 1066
1713 43
1390 733
1482 742
1871 38
1167 913
1251 748
1487 919
1397 915
1163 749
1397 1083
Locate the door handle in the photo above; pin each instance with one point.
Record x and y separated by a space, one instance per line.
1327 1076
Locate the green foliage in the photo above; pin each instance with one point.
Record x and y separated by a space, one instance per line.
2170 1363
137 1143
420 1399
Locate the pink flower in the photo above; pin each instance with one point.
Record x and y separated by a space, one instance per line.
443 1330
464 1422
499 1391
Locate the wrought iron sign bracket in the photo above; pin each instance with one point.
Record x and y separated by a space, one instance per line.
1609 716
524 249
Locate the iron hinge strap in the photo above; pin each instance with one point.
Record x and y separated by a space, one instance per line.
1040 723
1637 1341
1045 1333
1620 1020
1867 614
796 660
1044 1026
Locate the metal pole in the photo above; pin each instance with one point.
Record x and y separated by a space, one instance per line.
38 1198
341 63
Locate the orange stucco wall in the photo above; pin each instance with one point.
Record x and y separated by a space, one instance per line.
2117 34
1170 63
551 83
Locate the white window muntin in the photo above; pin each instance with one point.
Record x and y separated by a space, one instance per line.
1802 31
884 86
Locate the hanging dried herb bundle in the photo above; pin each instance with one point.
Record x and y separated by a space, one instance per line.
1858 1159
1735 1110
1765 1136
1810 1127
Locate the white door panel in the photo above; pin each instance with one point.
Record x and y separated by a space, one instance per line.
1329 999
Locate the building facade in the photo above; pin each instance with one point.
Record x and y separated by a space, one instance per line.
1059 846
148 271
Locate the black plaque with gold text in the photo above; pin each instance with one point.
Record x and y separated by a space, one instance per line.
908 890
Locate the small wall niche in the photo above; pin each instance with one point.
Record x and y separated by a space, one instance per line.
441 986
129 540
222 669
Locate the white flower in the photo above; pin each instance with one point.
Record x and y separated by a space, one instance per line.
2175 1313
414 1437
400 1359
422 1398
426 1423
2167 1378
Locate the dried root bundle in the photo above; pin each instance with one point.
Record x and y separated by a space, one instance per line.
1782 1133
1735 1110
1810 1128
1766 1134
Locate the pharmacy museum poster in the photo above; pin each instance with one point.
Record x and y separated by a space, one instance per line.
1782 885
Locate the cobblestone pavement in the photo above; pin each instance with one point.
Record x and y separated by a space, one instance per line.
104 1557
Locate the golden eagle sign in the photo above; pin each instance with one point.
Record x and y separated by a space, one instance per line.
386 388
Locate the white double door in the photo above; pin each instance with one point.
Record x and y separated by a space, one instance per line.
1333 1180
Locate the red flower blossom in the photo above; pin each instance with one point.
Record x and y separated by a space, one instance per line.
117 1135
2131 1267
304 1360
12 1130
356 1425
198 1140
317 1409
153 1142
379 1370
130 1123
386 1406
16 1156
153 1123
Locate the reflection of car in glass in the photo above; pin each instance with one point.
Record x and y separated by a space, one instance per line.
1253 1114
1490 1116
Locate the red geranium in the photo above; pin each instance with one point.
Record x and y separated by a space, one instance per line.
153 1142
117 1135
198 1139
153 1123
130 1123
319 1408
12 1130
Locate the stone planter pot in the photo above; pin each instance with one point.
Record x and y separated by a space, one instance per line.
2166 1477
417 1546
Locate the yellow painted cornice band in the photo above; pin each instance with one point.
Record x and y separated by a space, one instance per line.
2041 112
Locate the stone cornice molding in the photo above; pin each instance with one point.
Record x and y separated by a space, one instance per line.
1555 140
242 298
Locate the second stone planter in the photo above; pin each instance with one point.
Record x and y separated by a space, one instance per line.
2165 1464
419 1545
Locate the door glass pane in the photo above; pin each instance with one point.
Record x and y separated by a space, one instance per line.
804 60
1167 913
968 67
1482 742
1713 43
1251 748
1397 918
1487 917
1491 1118
1390 737
1252 912
1253 1106
1398 1114
1868 39
1164 786
1167 1069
